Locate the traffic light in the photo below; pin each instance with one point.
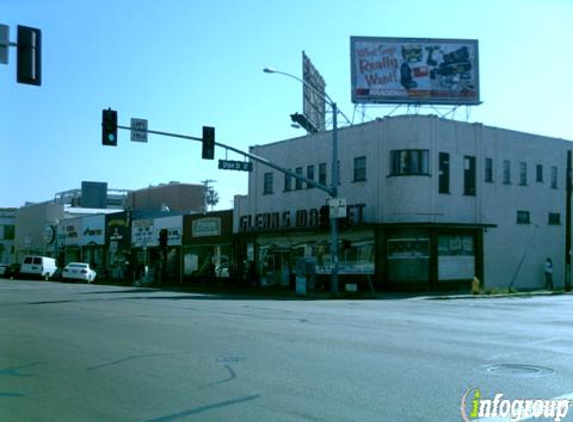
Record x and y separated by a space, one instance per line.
208 151
163 238
301 120
109 127
29 52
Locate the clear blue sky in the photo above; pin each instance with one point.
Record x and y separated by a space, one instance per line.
183 64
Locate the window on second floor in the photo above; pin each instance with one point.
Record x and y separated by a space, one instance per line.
539 173
288 182
554 177
360 169
409 162
469 175
523 173
298 182
506 172
489 170
310 175
322 174
444 172
268 184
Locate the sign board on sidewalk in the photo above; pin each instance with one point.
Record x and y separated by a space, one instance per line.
139 130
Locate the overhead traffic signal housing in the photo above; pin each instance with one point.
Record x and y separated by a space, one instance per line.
109 127
301 120
29 52
208 151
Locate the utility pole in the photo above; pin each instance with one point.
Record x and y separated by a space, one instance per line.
568 224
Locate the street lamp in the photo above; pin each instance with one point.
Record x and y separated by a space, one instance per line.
333 190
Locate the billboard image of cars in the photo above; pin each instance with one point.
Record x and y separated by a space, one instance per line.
414 71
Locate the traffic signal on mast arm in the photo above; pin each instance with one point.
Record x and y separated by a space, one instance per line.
29 52
208 150
109 127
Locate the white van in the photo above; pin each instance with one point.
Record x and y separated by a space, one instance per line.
38 266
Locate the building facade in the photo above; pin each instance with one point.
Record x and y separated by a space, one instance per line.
431 204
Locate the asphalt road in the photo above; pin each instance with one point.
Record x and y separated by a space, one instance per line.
76 352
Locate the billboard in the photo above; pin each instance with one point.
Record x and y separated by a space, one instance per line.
313 95
414 71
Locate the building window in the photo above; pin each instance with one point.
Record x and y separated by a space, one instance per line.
523 217
268 185
522 174
409 162
309 175
489 170
298 183
539 173
444 172
554 219
288 182
554 177
469 175
9 231
506 172
322 174
360 169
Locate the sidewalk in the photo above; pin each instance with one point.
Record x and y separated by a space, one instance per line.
242 290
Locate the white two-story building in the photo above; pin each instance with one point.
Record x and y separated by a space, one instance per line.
432 203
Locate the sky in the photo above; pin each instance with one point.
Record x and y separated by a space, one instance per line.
184 64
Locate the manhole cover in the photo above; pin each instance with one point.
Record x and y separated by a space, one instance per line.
518 370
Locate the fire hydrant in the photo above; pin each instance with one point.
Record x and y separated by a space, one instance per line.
475 286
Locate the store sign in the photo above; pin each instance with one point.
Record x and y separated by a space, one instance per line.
205 227
304 218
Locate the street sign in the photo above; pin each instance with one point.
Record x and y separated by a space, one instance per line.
235 165
337 207
139 130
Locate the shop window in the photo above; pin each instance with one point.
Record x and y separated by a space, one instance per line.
489 170
554 219
456 257
409 162
444 176
268 184
523 217
539 173
469 175
522 174
360 169
506 172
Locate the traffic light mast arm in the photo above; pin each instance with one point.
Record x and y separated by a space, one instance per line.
253 157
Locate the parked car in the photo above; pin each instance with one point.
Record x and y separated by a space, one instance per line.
4 269
38 266
78 271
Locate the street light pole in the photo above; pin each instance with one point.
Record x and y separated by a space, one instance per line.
335 177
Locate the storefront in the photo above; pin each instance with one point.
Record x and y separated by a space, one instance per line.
153 262
208 246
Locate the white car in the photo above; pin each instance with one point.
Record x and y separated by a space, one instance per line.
78 271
